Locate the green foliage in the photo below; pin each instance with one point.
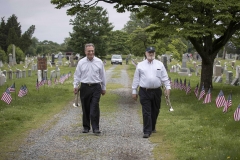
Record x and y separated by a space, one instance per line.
25 40
10 33
91 26
3 55
118 43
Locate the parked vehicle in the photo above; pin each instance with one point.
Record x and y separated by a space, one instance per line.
116 59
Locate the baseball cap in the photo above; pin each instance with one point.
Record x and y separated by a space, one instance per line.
150 49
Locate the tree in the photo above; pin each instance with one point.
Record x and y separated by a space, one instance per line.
25 40
208 25
117 43
3 55
3 34
91 26
14 31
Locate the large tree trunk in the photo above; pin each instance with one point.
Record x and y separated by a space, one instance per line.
207 73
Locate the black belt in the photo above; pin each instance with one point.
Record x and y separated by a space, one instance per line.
90 84
150 89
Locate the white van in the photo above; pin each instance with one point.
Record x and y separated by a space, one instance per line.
116 59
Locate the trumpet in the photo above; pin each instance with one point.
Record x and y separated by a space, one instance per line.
76 103
167 98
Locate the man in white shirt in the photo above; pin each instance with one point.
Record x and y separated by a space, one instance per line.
149 76
90 73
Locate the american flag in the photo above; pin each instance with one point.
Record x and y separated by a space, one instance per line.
37 85
56 81
237 113
228 103
208 97
176 84
220 100
180 85
22 92
185 85
6 97
12 88
50 82
196 91
188 90
202 93
42 82
45 80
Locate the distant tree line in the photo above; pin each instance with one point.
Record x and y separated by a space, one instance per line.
11 33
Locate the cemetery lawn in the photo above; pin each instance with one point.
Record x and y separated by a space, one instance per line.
193 131
33 110
197 131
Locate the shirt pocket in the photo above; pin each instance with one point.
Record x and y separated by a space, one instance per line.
158 73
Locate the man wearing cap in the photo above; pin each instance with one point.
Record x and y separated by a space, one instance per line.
149 76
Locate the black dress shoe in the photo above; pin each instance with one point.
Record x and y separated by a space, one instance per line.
146 136
96 132
85 131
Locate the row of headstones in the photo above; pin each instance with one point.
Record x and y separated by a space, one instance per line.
219 70
53 74
232 56
4 75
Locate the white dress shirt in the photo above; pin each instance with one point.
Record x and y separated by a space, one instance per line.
90 71
150 75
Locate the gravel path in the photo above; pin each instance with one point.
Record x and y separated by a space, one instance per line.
61 138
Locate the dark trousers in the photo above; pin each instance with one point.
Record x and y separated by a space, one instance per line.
90 97
150 100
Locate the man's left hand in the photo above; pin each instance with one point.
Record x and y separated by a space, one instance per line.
103 92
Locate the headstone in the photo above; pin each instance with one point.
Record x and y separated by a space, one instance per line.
57 71
29 72
10 74
237 71
59 59
184 61
214 78
10 59
2 79
53 63
45 74
17 73
23 74
219 79
5 73
194 64
217 70
71 61
233 63
229 76
39 73
26 62
20 73
235 81
199 67
14 55
53 74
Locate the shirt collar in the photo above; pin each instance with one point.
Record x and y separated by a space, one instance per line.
89 59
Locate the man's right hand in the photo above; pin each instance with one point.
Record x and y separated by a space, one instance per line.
135 96
75 90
